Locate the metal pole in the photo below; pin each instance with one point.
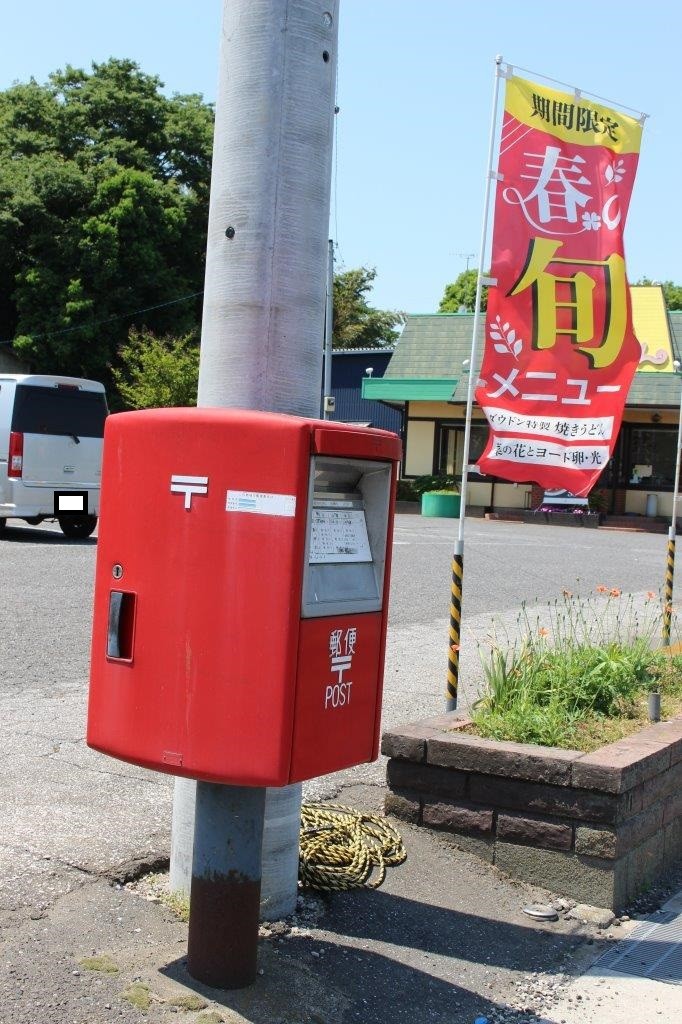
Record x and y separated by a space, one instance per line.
458 553
672 531
264 301
223 923
327 402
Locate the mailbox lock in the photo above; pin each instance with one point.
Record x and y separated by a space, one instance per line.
117 571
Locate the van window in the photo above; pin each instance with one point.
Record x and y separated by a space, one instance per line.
58 411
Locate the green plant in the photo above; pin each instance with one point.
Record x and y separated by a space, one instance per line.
405 491
158 371
597 502
578 665
438 482
412 490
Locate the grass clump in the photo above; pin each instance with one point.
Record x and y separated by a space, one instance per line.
177 904
138 995
579 674
103 964
157 886
189 1002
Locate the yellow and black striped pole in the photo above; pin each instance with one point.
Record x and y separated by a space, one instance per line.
668 587
670 558
458 551
455 628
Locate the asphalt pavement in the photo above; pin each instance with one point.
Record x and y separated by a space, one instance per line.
444 939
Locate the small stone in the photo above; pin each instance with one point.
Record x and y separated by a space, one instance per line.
599 916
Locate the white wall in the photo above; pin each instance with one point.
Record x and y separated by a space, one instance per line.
635 503
419 449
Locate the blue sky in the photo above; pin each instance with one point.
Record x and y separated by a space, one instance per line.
415 90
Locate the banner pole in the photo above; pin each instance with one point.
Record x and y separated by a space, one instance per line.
458 553
670 558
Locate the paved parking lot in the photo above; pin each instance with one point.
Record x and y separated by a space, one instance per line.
46 607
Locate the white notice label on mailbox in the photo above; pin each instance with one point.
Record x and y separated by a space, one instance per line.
261 503
339 535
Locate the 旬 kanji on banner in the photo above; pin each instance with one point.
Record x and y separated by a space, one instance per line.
560 349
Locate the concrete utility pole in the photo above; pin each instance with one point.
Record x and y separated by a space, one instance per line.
261 348
327 398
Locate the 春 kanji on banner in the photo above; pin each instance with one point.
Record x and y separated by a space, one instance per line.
560 349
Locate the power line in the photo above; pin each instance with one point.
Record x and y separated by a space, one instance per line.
108 319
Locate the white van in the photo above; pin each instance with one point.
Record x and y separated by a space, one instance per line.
51 431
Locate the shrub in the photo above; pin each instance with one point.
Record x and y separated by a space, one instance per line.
412 490
405 491
578 665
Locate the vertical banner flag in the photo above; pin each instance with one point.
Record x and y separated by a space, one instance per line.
560 349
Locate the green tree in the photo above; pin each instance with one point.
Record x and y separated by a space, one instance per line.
104 185
356 324
462 293
158 372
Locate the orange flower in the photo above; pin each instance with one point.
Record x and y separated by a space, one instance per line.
601 589
567 593
543 632
614 592
650 595
454 647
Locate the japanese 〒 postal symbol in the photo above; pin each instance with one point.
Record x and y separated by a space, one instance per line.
342 649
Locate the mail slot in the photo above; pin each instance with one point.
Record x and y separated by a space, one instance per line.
241 594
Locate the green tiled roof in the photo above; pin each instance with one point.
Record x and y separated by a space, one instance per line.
435 345
432 345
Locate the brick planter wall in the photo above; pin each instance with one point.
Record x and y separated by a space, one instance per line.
598 828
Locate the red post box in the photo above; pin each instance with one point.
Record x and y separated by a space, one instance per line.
241 594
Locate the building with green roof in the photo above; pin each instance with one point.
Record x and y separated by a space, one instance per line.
428 376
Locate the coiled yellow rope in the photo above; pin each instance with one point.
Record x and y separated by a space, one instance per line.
341 847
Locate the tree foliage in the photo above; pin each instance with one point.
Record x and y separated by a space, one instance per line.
356 324
460 296
104 185
158 372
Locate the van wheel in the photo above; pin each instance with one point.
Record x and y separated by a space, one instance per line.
77 526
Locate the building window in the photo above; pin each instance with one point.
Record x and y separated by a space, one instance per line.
450 447
650 459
